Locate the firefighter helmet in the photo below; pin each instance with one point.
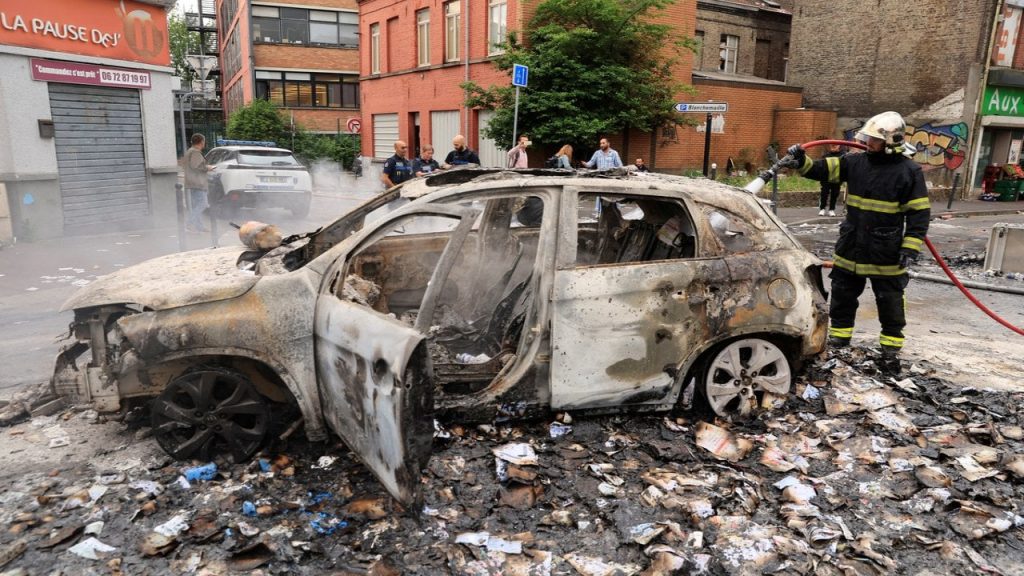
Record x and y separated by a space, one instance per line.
887 126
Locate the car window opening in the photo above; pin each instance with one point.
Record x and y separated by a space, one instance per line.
620 230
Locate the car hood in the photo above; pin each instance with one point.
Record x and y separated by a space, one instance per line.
170 281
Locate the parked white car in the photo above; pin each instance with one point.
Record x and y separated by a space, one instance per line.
258 176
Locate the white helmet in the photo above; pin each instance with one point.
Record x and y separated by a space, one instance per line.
887 126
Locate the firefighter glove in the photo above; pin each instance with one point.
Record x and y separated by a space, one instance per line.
794 157
907 258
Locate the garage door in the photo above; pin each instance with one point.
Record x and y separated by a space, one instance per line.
385 133
443 127
491 155
100 155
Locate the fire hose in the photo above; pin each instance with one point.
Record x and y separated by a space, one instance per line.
758 183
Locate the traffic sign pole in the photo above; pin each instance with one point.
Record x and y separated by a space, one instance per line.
707 142
515 119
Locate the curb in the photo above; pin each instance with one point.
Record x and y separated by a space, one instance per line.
935 216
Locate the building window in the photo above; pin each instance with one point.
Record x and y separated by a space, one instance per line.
307 89
278 25
452 25
727 50
699 50
423 37
374 48
497 27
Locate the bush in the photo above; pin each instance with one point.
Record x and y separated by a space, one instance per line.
258 120
341 148
261 120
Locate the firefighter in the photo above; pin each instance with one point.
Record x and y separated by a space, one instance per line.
886 221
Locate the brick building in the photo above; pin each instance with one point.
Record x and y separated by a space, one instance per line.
414 57
871 60
302 55
742 38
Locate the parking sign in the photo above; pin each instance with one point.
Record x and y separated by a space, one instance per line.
520 74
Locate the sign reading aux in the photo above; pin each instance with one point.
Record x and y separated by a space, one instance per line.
120 29
1003 101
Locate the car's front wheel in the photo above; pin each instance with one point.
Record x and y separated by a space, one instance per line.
209 411
737 376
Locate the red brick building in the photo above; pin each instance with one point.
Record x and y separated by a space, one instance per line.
303 55
414 56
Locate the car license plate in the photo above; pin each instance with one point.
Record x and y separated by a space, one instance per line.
274 179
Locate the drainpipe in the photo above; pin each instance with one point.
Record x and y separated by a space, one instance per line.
465 54
978 128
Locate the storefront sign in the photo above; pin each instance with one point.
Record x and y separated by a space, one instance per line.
120 29
1003 101
76 73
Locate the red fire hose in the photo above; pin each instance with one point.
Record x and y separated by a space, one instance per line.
931 247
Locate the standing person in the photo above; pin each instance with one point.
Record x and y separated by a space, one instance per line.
640 166
516 157
887 214
604 157
829 190
461 155
197 183
397 168
425 164
564 157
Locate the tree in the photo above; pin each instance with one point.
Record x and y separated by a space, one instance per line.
181 42
258 120
597 67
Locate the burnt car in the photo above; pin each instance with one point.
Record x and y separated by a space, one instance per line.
488 294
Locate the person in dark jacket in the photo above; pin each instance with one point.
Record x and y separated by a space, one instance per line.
887 214
829 190
461 155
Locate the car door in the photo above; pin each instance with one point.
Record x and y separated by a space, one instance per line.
620 330
373 371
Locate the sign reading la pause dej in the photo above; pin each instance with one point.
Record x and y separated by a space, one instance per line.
702 107
520 74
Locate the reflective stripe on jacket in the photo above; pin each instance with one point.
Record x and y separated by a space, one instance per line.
887 209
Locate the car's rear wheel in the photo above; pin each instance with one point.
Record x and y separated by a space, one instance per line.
737 376
301 208
210 411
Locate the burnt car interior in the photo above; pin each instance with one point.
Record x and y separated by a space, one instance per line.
619 230
483 303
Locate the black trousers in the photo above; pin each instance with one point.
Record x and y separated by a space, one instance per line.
847 288
829 193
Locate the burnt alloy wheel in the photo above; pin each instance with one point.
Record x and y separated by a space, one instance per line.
736 378
210 411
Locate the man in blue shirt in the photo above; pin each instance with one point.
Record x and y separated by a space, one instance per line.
604 157
398 168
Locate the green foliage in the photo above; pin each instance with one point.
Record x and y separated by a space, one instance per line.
341 148
596 68
182 42
258 120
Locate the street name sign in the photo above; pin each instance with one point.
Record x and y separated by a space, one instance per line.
702 107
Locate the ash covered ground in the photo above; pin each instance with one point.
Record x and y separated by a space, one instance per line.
853 473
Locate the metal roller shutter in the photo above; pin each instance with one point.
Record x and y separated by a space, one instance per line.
385 133
491 155
100 153
444 126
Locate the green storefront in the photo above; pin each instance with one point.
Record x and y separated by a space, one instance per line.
1002 122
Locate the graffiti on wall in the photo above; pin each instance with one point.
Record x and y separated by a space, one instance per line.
942 146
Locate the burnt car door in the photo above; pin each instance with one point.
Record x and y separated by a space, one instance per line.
372 315
629 298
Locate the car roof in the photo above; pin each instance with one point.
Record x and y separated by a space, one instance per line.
251 149
465 179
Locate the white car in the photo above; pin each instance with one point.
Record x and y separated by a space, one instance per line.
258 176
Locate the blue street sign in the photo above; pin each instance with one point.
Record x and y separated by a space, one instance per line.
520 74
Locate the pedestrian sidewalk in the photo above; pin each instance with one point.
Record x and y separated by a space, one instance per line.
960 209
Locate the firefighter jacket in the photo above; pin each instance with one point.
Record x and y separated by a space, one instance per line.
887 210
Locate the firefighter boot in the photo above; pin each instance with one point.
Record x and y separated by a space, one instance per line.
835 342
889 361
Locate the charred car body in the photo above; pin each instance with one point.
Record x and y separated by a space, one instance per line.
574 291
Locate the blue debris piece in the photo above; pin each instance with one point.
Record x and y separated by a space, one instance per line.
265 465
204 472
326 524
317 498
248 508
